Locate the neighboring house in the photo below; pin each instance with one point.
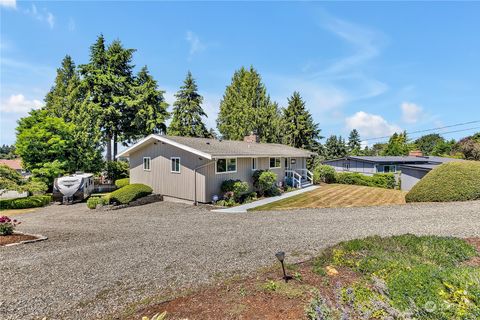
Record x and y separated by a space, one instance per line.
15 164
194 168
410 168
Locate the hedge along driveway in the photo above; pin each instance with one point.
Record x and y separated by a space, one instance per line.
339 196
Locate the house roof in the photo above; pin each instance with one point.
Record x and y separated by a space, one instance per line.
213 148
15 164
400 159
423 166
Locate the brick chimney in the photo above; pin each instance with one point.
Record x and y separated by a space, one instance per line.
415 153
252 138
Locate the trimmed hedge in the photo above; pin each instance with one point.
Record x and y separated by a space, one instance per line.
323 173
25 203
122 182
453 181
130 193
379 180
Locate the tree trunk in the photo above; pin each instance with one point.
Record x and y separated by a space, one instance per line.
115 145
109 149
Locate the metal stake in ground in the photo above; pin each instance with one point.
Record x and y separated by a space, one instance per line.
281 257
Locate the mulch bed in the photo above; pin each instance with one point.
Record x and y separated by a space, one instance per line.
15 238
248 298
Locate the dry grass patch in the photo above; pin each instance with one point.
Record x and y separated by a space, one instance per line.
339 196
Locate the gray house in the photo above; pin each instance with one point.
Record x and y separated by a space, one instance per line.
194 168
410 168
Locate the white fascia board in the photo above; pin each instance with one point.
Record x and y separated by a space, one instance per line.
126 152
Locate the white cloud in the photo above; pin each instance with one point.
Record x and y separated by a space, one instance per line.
8 4
17 103
41 15
370 125
195 44
411 112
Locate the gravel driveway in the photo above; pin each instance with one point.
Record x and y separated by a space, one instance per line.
98 262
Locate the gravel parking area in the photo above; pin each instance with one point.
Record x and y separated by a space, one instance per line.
99 262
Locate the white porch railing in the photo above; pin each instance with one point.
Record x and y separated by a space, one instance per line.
296 178
307 174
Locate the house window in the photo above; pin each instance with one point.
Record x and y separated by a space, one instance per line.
175 164
346 166
146 163
286 163
226 165
275 163
254 163
390 168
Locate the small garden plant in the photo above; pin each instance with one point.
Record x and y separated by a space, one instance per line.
7 225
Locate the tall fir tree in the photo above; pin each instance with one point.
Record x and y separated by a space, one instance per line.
299 129
108 81
354 143
149 107
61 100
335 147
246 107
188 112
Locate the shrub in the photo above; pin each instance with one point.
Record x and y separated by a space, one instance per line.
24 203
7 225
379 180
256 176
34 187
92 202
323 173
115 170
227 185
130 193
122 182
454 181
9 174
267 183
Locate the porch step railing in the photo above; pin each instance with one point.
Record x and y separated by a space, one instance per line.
306 174
296 178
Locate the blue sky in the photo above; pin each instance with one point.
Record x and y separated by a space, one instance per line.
377 67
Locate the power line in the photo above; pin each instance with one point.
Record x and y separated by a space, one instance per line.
440 133
433 129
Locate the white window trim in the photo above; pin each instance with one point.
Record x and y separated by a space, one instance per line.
226 165
256 164
390 165
149 164
346 166
179 164
280 162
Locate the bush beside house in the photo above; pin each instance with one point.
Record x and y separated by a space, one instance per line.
130 193
453 181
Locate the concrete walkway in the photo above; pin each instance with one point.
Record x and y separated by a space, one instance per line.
258 203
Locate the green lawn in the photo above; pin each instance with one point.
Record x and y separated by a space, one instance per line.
338 195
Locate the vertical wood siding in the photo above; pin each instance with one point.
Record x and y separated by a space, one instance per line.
161 179
181 185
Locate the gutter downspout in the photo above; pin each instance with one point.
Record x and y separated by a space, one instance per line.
195 179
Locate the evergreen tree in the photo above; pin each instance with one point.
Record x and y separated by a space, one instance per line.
108 81
246 108
354 143
299 129
397 145
188 112
335 147
61 100
149 107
